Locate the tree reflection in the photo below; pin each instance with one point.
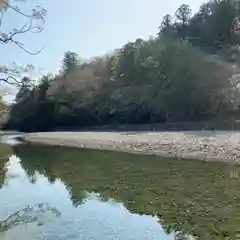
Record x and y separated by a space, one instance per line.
37 213
28 215
189 197
5 153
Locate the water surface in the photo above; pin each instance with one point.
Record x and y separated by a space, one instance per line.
66 193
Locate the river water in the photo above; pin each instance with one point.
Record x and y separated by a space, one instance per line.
57 193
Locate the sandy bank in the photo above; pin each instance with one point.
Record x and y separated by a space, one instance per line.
223 147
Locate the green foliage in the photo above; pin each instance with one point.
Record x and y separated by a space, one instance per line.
33 110
70 62
5 153
168 78
213 27
166 27
183 14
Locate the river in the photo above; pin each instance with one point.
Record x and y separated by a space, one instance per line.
59 193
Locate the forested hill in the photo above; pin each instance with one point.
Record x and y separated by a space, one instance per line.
182 74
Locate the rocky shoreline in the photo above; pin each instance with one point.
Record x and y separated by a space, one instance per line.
221 146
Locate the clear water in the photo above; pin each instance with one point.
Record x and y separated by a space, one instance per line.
56 193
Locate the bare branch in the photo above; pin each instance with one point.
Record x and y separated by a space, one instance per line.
13 74
21 31
27 51
18 11
28 27
36 14
11 80
1 17
10 38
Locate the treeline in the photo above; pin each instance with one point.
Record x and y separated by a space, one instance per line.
185 73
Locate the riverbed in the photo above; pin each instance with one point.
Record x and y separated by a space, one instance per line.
207 146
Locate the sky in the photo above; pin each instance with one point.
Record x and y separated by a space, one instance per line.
87 27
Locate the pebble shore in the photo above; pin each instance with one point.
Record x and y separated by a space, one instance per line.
221 147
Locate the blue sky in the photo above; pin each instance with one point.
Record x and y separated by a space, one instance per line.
88 27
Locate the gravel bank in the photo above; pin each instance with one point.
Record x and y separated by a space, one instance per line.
222 147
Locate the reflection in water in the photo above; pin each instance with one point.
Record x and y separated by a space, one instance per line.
113 194
189 197
95 218
28 215
5 153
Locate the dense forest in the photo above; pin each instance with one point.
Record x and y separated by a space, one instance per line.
188 71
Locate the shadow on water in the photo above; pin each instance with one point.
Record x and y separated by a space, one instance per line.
187 197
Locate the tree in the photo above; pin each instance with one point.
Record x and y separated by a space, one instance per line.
33 109
69 62
34 23
182 15
166 28
61 96
215 27
24 90
222 24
